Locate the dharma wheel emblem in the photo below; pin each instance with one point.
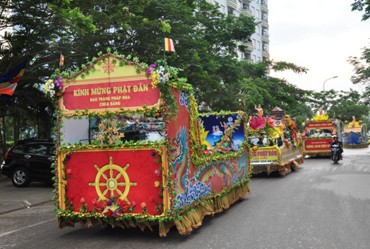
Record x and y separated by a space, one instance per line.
110 180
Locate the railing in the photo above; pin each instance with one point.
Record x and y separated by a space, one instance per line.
232 3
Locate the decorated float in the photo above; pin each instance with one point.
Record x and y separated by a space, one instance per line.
355 134
275 143
132 150
317 134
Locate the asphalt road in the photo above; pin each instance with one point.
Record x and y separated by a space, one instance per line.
321 205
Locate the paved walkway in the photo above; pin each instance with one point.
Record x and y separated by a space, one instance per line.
12 198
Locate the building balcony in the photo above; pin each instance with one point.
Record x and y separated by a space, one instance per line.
265 38
232 4
246 12
264 7
246 47
265 23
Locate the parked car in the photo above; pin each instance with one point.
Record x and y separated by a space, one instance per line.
29 160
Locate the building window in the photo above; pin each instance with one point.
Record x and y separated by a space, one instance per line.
258 17
258 45
247 56
253 10
258 30
264 16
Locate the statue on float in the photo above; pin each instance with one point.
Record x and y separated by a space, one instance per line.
321 115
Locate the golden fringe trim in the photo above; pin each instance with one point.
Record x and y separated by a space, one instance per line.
282 169
194 218
185 223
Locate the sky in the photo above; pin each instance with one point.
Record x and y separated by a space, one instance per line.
319 35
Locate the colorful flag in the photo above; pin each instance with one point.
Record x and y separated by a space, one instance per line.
61 60
9 81
168 45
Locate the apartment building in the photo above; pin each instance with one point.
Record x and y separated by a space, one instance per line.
256 47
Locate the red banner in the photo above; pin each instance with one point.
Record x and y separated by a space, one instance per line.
320 125
322 144
114 95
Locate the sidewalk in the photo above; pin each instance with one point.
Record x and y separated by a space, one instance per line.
12 198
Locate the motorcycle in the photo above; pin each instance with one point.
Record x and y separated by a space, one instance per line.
335 153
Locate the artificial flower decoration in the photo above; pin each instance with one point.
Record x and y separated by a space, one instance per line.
49 88
53 87
58 83
109 132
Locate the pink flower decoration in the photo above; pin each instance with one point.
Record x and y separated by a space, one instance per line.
143 205
157 172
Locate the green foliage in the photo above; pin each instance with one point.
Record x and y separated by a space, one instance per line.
361 67
349 104
206 42
282 66
362 5
342 105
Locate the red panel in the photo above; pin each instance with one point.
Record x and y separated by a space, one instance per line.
143 169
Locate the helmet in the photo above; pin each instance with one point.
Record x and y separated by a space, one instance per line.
334 136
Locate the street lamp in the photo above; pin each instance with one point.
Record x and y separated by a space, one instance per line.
323 85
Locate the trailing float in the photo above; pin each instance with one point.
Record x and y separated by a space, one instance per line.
275 143
355 134
317 134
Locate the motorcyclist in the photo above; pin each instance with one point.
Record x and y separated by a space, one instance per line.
336 141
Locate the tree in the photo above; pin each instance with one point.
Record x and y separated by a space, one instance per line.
348 104
206 42
362 5
361 68
362 64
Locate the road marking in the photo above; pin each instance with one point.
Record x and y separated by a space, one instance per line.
23 228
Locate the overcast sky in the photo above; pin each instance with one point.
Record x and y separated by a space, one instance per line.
320 35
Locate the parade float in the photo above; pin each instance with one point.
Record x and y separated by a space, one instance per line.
275 143
132 150
355 134
317 134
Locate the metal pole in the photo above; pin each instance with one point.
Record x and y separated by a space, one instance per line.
323 85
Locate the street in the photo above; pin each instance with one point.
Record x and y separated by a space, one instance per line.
321 205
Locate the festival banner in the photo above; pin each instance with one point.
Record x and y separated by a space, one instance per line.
110 96
290 154
322 144
320 125
264 156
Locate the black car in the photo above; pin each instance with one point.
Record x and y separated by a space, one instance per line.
29 160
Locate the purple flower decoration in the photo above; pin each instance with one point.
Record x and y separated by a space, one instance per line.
58 82
151 68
